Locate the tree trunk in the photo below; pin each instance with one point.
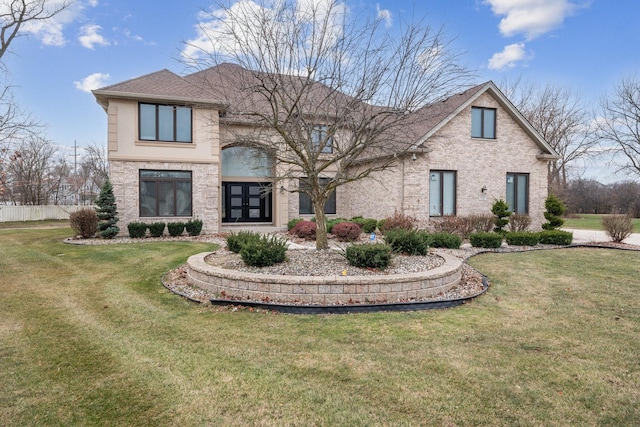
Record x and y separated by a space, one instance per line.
321 226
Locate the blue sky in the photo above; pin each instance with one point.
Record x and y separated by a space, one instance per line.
588 45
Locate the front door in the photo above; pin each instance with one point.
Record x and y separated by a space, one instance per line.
246 202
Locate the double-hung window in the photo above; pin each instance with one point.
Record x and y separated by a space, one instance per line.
442 193
483 122
165 193
320 138
170 123
518 192
305 204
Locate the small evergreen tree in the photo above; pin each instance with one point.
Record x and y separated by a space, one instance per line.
554 210
501 210
107 211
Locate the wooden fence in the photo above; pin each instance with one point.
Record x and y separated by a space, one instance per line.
37 213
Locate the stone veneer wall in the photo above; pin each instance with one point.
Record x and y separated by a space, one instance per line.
205 188
323 290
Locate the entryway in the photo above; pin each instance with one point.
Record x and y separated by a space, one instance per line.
246 202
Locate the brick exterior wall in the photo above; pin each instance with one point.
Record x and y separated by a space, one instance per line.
477 162
125 179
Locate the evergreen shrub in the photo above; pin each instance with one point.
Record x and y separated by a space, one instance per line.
368 225
293 222
156 229
482 239
554 210
175 228
556 237
501 210
235 242
193 227
266 251
410 242
377 255
522 238
332 222
137 230
444 239
107 212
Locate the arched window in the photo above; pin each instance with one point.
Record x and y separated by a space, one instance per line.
241 161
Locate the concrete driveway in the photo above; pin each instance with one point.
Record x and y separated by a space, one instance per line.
588 236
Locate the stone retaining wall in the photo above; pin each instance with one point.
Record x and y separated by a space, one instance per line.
323 290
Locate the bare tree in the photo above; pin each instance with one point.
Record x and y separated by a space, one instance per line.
619 124
323 88
15 14
30 171
559 115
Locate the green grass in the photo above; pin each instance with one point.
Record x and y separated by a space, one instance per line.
90 337
593 222
47 223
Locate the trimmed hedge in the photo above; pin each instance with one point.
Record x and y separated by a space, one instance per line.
368 225
556 237
410 242
235 242
156 229
175 228
137 230
266 251
444 239
193 227
485 240
522 238
377 255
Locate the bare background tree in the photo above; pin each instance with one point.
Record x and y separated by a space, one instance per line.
15 124
325 87
619 123
31 171
560 116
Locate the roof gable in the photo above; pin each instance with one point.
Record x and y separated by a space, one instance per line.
438 115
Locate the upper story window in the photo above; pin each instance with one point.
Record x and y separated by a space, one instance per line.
483 122
319 136
171 123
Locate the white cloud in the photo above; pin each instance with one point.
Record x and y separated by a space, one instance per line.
93 3
50 31
91 82
89 36
532 18
385 15
213 28
508 58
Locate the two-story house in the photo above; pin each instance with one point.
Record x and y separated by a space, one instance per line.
172 157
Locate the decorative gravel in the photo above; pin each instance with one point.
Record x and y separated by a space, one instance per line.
311 262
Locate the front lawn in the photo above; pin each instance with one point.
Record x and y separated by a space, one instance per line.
593 222
90 337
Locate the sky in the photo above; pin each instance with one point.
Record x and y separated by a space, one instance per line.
586 45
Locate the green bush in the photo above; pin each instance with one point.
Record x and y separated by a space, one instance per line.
332 222
156 229
483 239
522 238
368 225
193 227
410 242
107 212
84 222
266 251
366 255
175 228
444 239
556 237
347 231
137 230
618 227
501 210
235 242
554 210
293 222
